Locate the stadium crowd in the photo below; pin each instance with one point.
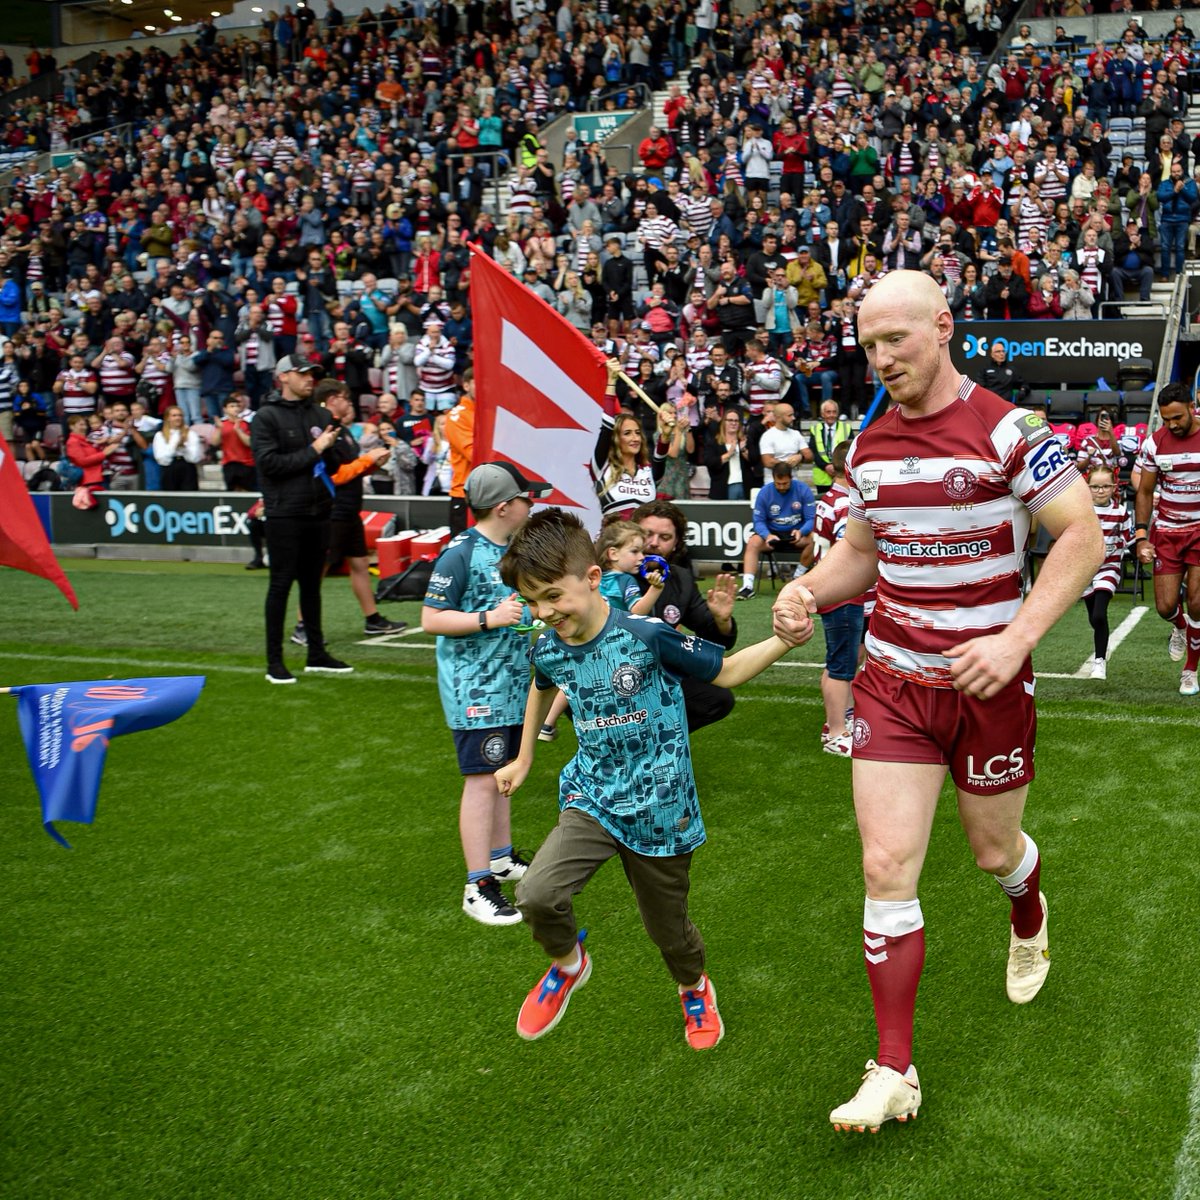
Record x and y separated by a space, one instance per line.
312 192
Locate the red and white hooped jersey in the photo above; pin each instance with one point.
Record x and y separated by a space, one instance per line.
1176 462
948 498
1117 527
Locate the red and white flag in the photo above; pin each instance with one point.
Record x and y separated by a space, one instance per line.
23 541
539 388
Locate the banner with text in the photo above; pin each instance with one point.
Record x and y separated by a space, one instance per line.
1049 353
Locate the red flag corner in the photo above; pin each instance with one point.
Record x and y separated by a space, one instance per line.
23 542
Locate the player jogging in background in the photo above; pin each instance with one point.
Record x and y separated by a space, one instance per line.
941 491
1117 529
1170 458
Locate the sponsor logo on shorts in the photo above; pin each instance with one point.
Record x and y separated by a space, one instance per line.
862 732
633 718
997 771
959 484
494 749
478 710
627 680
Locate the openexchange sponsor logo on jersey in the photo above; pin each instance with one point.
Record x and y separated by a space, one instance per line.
633 718
998 771
972 549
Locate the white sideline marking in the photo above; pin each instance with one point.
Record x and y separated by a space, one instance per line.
1187 1161
1043 714
1121 632
129 668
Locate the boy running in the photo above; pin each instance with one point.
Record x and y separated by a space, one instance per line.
629 791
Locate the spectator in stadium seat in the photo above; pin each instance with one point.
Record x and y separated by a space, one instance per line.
1006 296
1133 263
255 353
1078 300
655 151
216 363
178 451
1177 199
1044 302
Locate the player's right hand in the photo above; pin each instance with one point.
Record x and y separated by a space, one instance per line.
510 611
510 777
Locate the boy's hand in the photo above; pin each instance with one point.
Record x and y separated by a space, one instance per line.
509 611
510 777
655 581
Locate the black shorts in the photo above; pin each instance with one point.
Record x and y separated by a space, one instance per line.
485 751
346 540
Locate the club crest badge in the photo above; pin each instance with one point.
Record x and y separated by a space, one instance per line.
494 749
959 484
862 732
627 680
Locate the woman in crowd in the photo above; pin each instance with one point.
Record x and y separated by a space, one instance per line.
727 457
178 452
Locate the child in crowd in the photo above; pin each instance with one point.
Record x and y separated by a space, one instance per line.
842 623
483 675
1116 525
629 791
620 549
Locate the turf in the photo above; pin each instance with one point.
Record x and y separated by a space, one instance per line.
251 976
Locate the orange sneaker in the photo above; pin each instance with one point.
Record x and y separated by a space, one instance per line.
702 1024
546 1003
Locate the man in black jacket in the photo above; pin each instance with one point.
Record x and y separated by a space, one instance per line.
1133 262
616 277
680 603
291 438
347 539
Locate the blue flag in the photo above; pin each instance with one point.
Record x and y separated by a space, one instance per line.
66 728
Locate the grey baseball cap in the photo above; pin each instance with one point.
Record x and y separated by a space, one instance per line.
291 363
493 483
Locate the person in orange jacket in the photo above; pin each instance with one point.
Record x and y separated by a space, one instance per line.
460 433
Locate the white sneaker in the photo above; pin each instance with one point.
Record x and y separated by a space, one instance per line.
1028 962
488 905
842 745
1100 669
884 1095
1177 646
1188 685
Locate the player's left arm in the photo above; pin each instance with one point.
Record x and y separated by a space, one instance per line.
984 665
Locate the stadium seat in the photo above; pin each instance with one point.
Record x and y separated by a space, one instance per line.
1136 406
1067 405
1102 399
1134 373
1121 124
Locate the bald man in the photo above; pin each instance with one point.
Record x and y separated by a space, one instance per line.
942 488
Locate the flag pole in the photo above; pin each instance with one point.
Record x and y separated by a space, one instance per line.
7 691
637 390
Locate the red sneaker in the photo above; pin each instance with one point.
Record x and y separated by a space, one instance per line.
546 1003
702 1024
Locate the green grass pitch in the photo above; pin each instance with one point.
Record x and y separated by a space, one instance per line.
252 978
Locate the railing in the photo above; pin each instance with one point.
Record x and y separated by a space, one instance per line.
642 90
1166 363
494 179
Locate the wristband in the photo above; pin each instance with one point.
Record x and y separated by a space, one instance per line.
1137 539
1141 527
483 621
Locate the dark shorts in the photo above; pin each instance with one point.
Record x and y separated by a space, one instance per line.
1175 549
988 744
485 751
843 632
346 540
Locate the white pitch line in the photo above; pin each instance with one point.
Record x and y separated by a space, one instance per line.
1092 718
1187 1161
1121 632
128 668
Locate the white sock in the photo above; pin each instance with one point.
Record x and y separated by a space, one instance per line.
575 964
747 579
702 986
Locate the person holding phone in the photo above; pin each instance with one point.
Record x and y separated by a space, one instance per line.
291 438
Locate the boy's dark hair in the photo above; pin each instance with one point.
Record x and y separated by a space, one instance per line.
664 508
837 460
327 388
551 544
